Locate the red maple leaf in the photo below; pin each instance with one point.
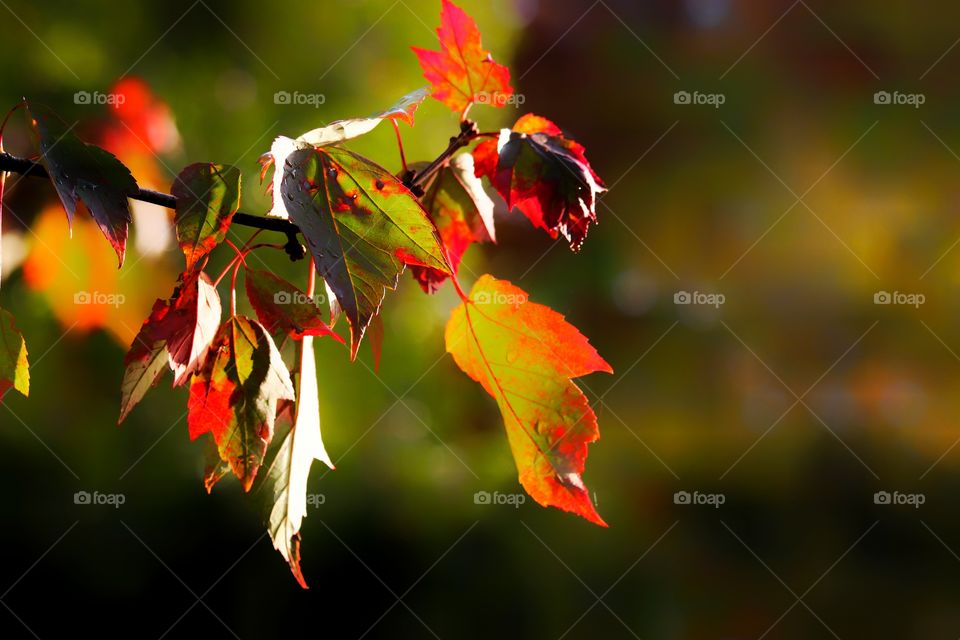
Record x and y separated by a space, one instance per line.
463 72
545 175
177 335
525 356
457 204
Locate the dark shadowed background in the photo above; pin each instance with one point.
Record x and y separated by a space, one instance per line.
751 162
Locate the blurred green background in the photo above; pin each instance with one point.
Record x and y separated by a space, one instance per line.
796 400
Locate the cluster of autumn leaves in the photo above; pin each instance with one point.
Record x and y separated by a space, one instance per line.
362 226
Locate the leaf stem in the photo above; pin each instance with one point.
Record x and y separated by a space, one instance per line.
311 278
241 255
226 270
233 286
468 131
403 157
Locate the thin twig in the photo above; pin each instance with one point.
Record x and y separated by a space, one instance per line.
26 167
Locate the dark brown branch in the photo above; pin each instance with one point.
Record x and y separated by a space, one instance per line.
26 167
468 132
413 181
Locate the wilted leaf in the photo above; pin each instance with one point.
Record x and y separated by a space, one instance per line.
333 133
86 173
207 197
177 334
361 225
14 370
462 211
286 480
463 72
340 130
281 306
544 175
524 355
235 395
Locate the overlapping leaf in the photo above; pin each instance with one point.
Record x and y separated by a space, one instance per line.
177 335
543 174
14 369
86 173
208 195
286 477
361 225
462 211
333 133
281 306
235 395
462 72
524 355
214 468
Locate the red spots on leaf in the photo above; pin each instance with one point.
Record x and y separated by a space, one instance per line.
406 257
389 187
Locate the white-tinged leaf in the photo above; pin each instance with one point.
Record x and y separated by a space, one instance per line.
334 133
188 354
287 476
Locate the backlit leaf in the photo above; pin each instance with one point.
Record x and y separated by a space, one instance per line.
86 173
196 310
462 72
207 197
462 211
14 370
235 395
361 225
524 355
177 335
340 130
286 479
333 133
543 174
147 359
281 306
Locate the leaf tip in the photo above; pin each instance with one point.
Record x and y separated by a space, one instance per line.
294 560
